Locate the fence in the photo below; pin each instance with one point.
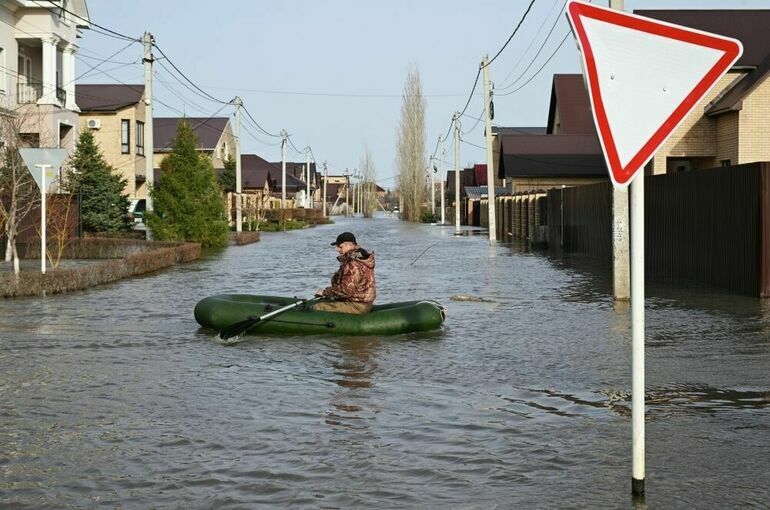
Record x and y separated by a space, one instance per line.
707 228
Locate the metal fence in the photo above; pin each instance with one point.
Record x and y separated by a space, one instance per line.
708 228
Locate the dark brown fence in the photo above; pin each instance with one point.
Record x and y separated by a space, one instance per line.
580 221
708 229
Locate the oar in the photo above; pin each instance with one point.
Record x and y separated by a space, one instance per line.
241 327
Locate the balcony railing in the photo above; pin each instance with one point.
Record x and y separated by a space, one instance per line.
29 92
32 91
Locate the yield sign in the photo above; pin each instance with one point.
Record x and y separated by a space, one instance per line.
644 76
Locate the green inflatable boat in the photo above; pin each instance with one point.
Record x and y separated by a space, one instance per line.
224 310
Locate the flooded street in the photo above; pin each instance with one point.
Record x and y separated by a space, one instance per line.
113 397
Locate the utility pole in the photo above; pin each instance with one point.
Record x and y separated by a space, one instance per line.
442 179
149 165
285 137
309 201
360 193
238 182
347 186
490 157
355 203
432 188
457 172
326 177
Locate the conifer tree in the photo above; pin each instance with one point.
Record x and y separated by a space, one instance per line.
227 178
104 206
188 204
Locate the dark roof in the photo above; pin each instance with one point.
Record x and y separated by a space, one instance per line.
732 99
209 131
255 171
551 156
569 97
292 183
518 130
747 25
107 97
479 192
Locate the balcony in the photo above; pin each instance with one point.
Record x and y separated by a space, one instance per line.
32 91
29 92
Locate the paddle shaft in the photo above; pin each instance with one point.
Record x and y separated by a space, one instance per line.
241 327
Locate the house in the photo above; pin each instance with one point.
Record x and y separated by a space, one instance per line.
730 125
258 182
215 138
297 173
115 114
38 44
564 153
727 127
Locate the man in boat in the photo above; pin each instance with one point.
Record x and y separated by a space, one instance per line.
353 288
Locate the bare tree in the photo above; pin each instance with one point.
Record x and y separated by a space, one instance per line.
369 187
18 191
410 156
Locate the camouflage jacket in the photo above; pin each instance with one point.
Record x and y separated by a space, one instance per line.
354 280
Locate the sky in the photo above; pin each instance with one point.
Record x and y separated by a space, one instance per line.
332 72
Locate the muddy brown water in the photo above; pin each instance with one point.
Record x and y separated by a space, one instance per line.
113 397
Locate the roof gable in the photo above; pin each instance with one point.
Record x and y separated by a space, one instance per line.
570 109
208 130
107 97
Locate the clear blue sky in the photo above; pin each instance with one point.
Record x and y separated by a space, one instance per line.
331 72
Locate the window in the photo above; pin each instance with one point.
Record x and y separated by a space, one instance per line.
725 162
125 136
139 138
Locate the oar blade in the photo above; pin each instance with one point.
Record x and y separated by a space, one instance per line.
238 328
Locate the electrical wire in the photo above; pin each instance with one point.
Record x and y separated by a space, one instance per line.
96 66
539 30
216 100
478 120
538 71
110 32
514 33
256 124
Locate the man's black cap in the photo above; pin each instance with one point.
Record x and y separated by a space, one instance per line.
344 238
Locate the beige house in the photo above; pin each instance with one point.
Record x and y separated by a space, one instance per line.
731 125
115 114
38 43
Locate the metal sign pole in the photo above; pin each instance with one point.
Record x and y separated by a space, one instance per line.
43 168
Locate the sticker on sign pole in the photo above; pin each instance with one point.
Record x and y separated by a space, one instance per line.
643 76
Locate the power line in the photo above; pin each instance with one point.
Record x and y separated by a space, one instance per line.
531 62
472 144
96 66
538 71
216 100
514 33
91 23
249 116
529 46
183 83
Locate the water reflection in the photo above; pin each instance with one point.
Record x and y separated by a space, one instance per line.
355 364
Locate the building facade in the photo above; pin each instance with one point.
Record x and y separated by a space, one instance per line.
38 43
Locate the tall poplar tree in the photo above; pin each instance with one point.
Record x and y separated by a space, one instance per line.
187 202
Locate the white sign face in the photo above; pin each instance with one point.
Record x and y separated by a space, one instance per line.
53 158
644 77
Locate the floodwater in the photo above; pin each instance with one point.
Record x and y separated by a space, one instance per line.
113 398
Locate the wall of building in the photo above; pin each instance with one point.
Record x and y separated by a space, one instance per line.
696 136
728 134
130 165
754 142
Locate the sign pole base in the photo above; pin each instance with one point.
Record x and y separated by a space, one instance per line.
637 486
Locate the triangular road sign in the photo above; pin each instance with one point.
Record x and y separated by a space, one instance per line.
644 76
50 157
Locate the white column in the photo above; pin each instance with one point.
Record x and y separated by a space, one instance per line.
68 78
49 70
